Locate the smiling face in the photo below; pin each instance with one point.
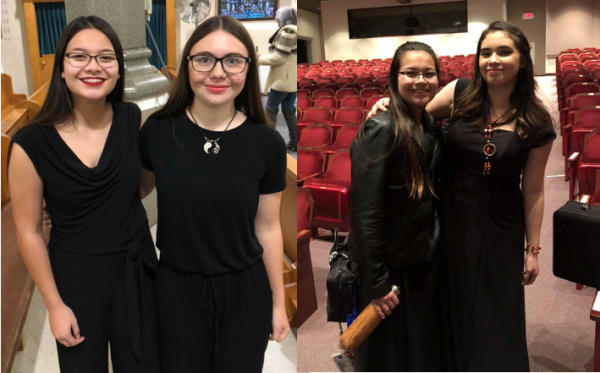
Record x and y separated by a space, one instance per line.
91 82
499 60
217 88
417 92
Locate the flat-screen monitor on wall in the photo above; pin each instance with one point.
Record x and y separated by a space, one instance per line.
244 10
441 18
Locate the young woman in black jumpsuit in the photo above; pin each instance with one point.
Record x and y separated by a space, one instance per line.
493 199
81 155
396 165
219 172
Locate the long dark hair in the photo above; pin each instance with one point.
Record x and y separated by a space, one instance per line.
473 106
58 106
404 124
248 101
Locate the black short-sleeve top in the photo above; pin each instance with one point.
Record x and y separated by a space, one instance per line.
207 203
91 209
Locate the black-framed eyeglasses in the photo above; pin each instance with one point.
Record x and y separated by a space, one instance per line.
83 59
203 63
413 75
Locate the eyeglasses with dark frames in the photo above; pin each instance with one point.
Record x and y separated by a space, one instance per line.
413 75
203 63
83 59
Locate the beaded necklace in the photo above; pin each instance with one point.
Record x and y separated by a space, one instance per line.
489 149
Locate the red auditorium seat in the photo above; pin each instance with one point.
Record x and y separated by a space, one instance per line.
304 213
343 80
327 102
382 80
373 100
305 82
343 138
323 82
333 86
589 155
352 101
312 87
343 92
311 163
316 135
368 92
331 194
316 115
304 102
570 92
354 85
303 93
349 115
322 93
363 79
371 85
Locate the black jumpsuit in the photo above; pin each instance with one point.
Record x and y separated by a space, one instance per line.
214 302
101 252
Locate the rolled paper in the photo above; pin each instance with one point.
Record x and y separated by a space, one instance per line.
363 326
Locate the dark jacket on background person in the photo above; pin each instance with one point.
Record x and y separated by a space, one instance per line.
388 228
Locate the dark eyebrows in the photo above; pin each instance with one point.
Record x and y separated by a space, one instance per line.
103 51
212 55
500 47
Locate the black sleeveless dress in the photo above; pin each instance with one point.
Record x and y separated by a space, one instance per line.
483 223
100 237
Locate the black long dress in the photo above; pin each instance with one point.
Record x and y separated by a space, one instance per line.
483 226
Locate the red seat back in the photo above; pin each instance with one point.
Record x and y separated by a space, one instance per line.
310 161
346 134
317 134
339 166
343 92
328 102
366 93
349 115
322 93
352 101
373 100
316 115
304 103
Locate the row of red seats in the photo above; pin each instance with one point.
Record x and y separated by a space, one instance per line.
335 104
577 77
339 94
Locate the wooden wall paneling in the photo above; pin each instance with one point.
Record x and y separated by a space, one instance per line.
171 33
33 43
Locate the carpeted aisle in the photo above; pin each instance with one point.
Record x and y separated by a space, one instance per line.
559 330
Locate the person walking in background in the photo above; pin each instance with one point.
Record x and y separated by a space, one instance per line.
283 58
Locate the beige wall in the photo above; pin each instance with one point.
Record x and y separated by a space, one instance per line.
534 29
15 55
308 29
338 45
570 24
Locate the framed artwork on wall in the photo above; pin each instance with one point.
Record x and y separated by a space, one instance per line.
248 10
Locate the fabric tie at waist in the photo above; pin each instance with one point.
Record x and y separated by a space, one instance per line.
140 269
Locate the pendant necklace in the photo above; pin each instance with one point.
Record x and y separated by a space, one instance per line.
489 149
212 146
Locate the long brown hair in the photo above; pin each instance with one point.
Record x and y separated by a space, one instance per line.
473 106
58 106
248 101
404 123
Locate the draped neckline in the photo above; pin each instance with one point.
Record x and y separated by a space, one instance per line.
68 152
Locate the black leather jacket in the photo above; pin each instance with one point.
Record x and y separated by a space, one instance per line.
389 229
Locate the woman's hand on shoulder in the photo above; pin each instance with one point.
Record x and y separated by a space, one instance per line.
442 104
280 325
379 105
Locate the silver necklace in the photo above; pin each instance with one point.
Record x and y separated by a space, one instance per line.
212 146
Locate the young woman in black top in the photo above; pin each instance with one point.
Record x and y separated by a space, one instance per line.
396 165
219 168
81 155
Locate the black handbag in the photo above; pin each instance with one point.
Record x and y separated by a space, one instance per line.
576 249
342 282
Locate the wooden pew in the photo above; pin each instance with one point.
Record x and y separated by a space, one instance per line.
290 247
9 98
17 285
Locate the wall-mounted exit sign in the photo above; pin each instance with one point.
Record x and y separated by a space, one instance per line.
528 16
